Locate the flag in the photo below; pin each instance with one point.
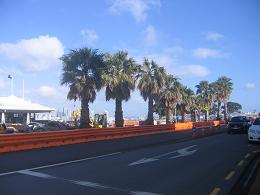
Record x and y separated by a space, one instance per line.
9 76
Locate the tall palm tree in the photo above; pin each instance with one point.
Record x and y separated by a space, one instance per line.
187 101
225 88
82 73
120 79
217 90
152 79
205 95
197 108
170 95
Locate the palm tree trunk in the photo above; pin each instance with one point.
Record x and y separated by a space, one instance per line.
225 111
119 120
195 115
149 120
183 116
169 116
84 115
206 116
219 110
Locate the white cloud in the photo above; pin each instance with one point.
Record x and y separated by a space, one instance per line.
34 54
204 53
47 91
89 36
193 70
137 8
2 83
169 59
57 93
150 36
213 36
250 86
161 59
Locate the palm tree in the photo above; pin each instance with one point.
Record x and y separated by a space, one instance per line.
82 72
120 79
197 108
170 95
187 101
217 90
205 95
225 88
152 79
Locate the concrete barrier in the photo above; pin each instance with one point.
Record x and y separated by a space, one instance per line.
26 141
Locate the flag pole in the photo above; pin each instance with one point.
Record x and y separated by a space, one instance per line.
12 84
23 88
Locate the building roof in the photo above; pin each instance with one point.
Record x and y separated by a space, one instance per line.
16 104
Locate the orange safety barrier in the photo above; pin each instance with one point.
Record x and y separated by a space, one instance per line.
183 126
25 141
131 123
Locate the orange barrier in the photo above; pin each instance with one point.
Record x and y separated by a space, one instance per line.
183 126
131 123
17 142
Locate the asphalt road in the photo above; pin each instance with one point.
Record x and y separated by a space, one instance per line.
209 165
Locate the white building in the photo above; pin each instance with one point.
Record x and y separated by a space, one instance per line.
17 110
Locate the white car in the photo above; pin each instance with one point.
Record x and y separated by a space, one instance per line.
254 131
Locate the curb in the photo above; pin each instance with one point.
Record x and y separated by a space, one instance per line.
247 177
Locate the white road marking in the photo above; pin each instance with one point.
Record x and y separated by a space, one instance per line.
142 161
240 163
230 175
83 183
181 152
184 152
60 164
36 174
89 184
215 191
143 193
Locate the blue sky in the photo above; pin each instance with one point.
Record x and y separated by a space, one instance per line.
195 40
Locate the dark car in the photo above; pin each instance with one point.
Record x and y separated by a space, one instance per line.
239 124
34 126
53 126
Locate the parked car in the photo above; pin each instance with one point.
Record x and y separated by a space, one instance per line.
238 124
17 128
34 126
52 126
254 131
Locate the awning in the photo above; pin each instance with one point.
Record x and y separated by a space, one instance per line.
15 104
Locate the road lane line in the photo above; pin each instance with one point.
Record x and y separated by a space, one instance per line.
240 163
180 153
247 155
83 183
36 174
256 151
60 164
215 191
230 175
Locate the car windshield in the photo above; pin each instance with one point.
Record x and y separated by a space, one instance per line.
257 121
239 119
